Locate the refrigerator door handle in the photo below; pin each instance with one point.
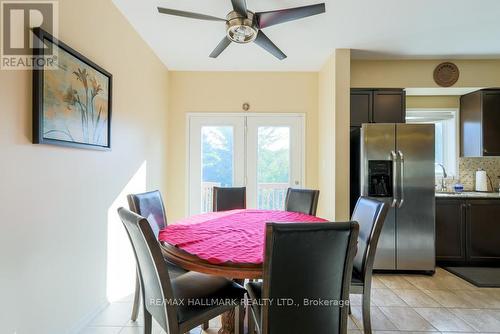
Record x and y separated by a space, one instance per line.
402 178
394 159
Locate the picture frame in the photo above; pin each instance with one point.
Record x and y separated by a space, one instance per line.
72 101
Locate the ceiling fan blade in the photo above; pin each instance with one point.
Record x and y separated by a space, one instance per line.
221 47
189 14
263 41
267 19
240 6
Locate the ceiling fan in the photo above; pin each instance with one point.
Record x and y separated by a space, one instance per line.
244 26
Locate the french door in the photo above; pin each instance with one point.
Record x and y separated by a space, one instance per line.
264 153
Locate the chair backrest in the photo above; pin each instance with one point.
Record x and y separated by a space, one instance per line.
302 200
321 271
149 205
155 280
225 199
370 215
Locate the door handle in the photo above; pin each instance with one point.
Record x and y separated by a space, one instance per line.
402 176
464 210
394 159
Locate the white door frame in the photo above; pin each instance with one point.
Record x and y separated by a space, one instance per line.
196 123
296 166
192 116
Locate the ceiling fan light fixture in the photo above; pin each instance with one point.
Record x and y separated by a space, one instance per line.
241 29
241 34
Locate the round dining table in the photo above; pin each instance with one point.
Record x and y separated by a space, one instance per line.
227 243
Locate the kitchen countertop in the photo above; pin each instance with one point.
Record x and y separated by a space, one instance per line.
469 194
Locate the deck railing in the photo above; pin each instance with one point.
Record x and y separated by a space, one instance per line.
207 192
271 196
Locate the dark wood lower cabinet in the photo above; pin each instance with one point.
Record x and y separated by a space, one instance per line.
450 230
483 231
467 231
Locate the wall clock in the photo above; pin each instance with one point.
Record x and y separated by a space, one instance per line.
446 74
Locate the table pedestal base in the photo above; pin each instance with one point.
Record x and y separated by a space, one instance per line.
233 322
227 321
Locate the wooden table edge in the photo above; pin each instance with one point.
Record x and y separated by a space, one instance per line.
194 263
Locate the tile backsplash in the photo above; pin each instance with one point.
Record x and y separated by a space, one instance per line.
468 166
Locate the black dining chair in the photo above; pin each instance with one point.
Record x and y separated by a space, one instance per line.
370 215
302 200
177 304
321 269
150 205
225 199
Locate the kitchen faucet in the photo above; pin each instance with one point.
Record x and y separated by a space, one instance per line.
445 175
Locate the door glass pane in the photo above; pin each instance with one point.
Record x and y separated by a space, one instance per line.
273 166
216 161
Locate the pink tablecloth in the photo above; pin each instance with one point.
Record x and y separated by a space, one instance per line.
232 236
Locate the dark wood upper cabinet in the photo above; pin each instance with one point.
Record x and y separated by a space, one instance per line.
480 123
389 106
377 106
361 107
491 123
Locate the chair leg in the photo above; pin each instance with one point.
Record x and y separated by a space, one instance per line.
137 298
239 320
205 326
148 322
367 323
350 311
251 323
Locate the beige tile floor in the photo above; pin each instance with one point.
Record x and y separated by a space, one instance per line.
400 304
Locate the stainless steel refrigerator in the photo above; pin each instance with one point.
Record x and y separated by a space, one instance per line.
397 167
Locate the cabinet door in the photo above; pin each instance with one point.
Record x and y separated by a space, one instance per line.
450 230
491 123
389 106
470 125
483 231
361 107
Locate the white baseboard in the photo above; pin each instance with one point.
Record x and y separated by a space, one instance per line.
84 321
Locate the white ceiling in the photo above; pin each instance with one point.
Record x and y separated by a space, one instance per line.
414 29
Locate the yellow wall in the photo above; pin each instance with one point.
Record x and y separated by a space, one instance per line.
326 138
334 118
342 139
427 102
226 92
55 244
419 73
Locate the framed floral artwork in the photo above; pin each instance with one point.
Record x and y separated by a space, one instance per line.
71 98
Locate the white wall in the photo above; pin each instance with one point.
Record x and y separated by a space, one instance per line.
56 242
